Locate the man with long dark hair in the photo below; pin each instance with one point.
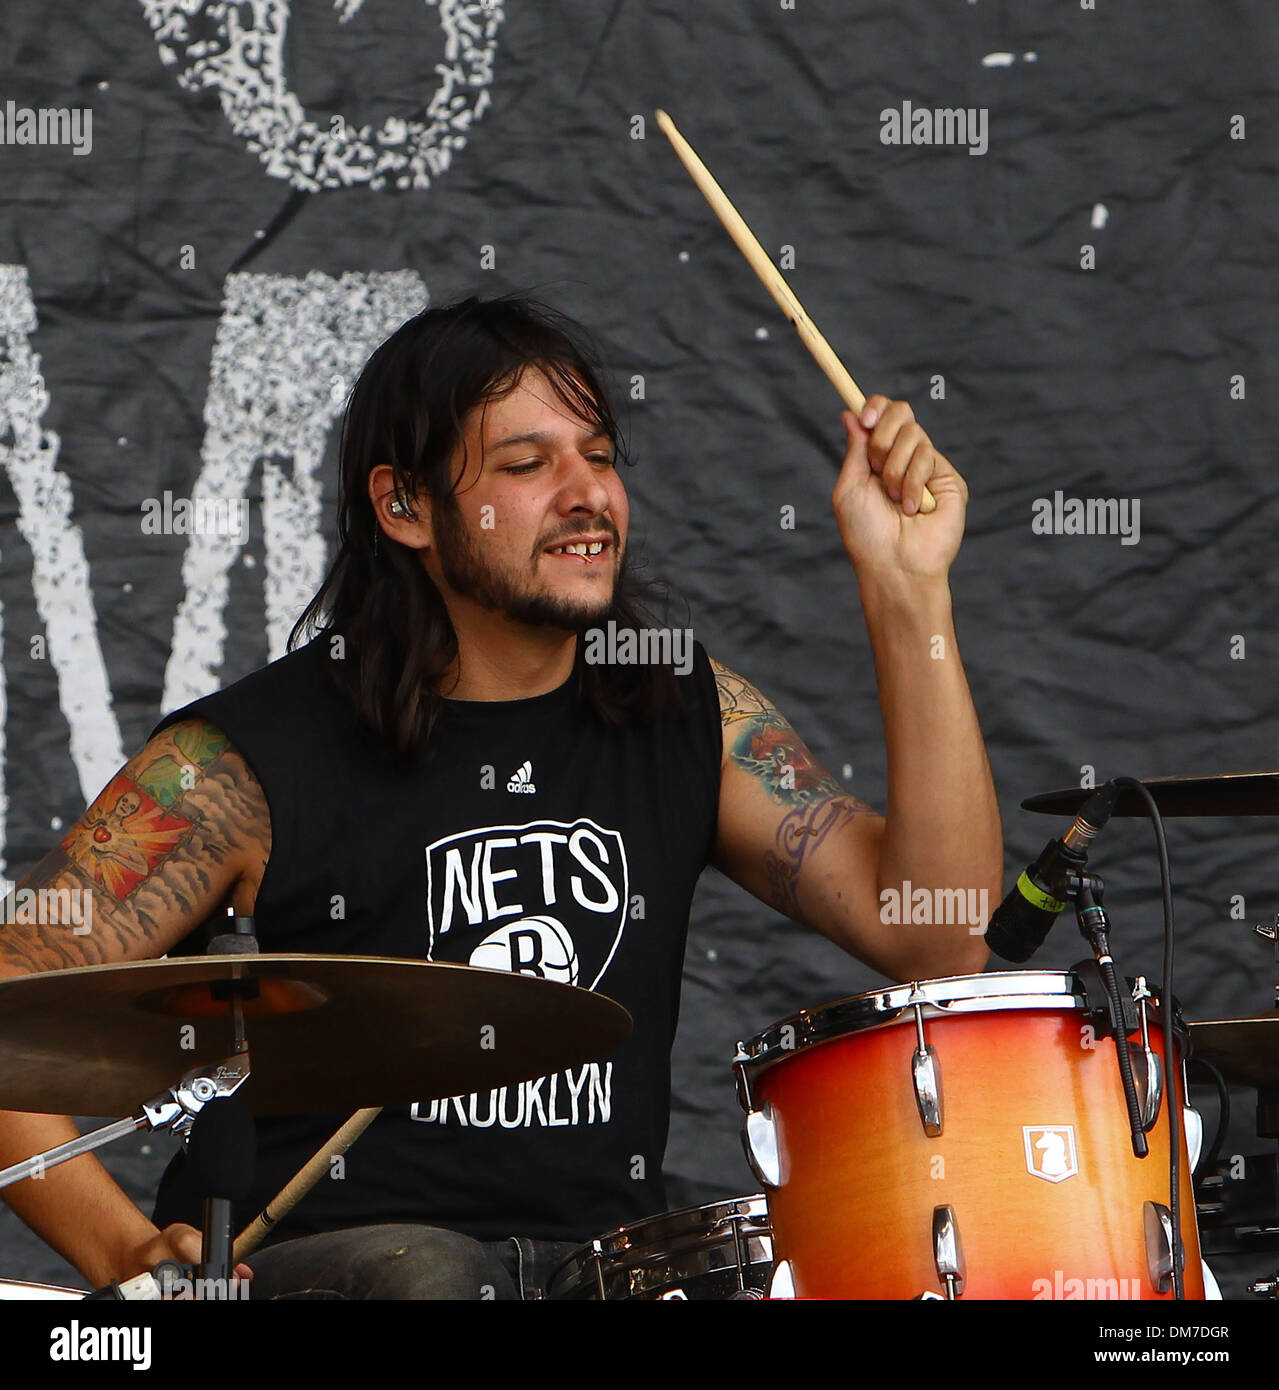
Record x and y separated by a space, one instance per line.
489 752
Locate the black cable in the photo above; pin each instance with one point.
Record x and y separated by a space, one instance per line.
1132 1104
1170 1055
1095 925
1208 1160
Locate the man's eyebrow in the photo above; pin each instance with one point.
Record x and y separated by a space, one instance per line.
542 437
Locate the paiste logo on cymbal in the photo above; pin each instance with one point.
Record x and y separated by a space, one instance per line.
1050 1151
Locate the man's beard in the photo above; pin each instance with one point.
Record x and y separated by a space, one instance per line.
466 572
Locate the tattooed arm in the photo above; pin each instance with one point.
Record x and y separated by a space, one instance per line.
792 836
180 831
908 894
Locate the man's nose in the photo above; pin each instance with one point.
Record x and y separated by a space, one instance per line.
583 486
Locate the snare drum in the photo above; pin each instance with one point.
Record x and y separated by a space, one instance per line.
962 1137
723 1250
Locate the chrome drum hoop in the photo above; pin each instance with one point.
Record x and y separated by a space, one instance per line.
955 994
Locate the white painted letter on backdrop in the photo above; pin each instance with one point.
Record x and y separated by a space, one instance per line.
240 50
281 342
59 570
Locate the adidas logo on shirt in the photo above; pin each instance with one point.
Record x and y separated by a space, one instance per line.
522 779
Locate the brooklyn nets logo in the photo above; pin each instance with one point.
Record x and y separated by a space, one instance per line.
548 899
538 946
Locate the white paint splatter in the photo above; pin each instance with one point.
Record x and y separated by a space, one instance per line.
238 48
59 571
280 342
683 255
1100 215
999 60
761 334
1030 57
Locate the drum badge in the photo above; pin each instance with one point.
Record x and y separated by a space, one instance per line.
1050 1151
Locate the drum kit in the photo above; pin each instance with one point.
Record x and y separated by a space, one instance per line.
1029 1175
962 1138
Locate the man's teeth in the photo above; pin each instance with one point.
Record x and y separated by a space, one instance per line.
581 548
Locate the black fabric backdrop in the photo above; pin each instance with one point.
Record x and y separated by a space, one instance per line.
199 288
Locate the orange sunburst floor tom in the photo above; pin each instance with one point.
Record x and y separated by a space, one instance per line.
964 1137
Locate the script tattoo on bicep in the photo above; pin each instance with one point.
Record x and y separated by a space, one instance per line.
145 851
803 829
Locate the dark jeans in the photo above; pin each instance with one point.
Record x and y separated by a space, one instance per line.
390 1262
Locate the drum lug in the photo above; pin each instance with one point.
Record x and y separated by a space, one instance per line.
925 1072
1148 1076
1147 1070
1158 1222
948 1251
759 1139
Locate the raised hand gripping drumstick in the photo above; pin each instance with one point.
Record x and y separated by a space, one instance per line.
301 1183
836 373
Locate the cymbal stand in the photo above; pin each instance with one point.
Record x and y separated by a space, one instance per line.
175 1110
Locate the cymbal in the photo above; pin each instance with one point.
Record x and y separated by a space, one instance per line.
1244 1050
1219 794
326 1033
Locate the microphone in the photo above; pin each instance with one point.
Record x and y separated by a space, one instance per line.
1019 925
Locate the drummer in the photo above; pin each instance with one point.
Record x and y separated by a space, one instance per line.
490 751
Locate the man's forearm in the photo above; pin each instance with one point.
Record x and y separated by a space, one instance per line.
77 1207
942 832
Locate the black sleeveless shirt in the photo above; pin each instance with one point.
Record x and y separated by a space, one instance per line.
531 837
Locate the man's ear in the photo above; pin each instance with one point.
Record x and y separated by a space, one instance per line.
404 518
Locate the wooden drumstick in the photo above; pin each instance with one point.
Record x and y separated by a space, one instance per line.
301 1183
836 373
